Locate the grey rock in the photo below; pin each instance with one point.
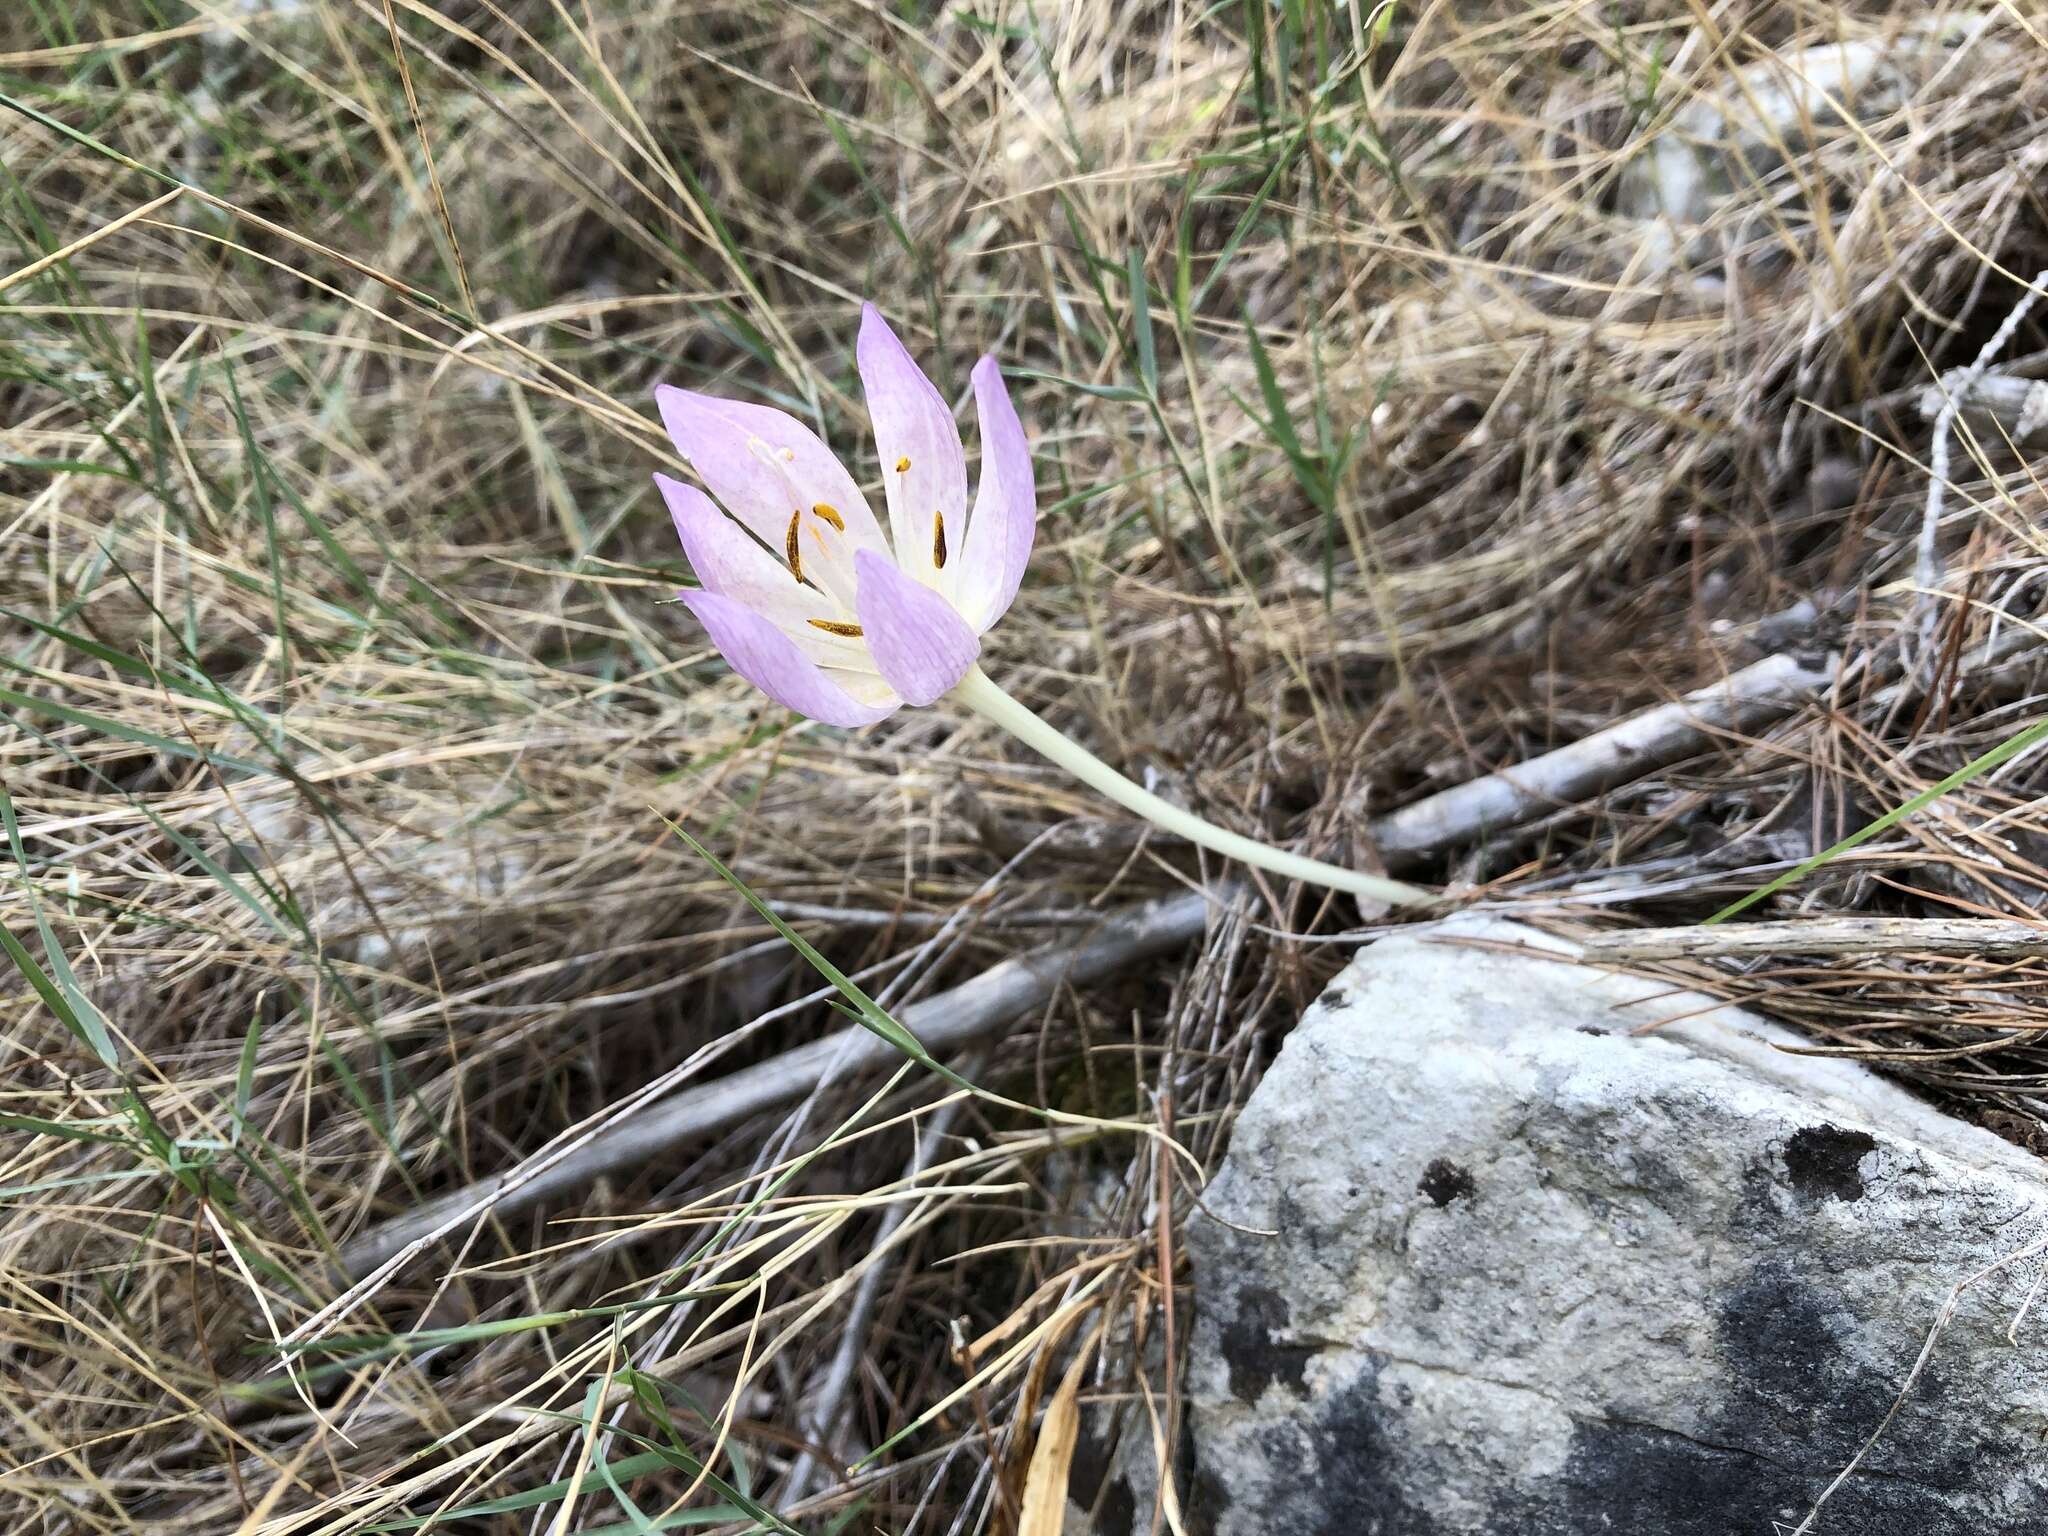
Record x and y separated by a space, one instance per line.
1721 143
1727 145
1557 1251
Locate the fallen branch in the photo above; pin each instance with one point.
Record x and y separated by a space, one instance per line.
1927 567
1963 938
2000 405
969 1013
1741 702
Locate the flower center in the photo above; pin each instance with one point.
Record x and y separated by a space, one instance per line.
830 571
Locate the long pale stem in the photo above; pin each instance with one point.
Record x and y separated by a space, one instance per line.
979 694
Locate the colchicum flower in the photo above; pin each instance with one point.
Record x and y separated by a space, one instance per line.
810 602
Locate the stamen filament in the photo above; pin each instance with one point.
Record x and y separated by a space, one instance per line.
979 694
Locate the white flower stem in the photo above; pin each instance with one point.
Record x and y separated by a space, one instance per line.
979 694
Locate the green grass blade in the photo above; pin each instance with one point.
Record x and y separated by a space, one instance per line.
79 1014
51 709
2003 752
592 1481
245 1074
1141 321
92 1038
41 1127
870 1014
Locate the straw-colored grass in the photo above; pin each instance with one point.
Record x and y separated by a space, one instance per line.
1385 437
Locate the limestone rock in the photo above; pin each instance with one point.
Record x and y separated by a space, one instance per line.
1725 143
1719 144
1556 1251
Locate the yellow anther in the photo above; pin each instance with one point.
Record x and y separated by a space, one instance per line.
903 464
835 627
789 546
830 514
939 540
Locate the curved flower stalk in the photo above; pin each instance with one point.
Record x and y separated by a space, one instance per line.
809 601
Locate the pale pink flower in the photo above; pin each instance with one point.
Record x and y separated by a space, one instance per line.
800 589
813 605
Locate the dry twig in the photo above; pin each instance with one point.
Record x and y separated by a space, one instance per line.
1485 808
1967 938
945 1023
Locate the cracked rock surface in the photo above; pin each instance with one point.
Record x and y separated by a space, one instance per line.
1557 1251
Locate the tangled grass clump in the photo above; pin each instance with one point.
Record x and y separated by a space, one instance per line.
1410 395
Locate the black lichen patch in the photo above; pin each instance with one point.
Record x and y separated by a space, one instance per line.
1821 1161
1336 1472
1794 1401
1785 1398
1094 1484
1252 1353
1208 1501
1627 1477
1631 1477
1803 1385
1797 1385
1444 1181
1117 1513
1784 1359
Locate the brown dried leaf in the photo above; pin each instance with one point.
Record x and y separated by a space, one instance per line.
1045 1485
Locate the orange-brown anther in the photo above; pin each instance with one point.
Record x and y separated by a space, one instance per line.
830 514
939 540
789 547
836 627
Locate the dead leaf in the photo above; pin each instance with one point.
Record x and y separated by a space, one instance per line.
1045 1485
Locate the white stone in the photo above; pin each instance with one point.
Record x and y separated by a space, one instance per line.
1558 1251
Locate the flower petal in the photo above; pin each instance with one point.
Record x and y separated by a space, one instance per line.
724 558
763 464
920 645
1005 506
914 429
732 565
769 659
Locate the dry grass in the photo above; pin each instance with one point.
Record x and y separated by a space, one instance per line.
346 712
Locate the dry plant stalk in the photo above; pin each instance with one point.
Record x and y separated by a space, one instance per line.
1961 937
946 1023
